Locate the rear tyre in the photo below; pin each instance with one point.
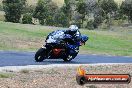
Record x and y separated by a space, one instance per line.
39 56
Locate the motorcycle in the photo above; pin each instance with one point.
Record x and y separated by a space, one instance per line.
64 49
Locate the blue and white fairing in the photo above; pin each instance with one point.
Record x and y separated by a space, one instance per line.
55 37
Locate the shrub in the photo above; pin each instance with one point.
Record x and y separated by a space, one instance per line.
90 25
1 7
104 25
49 20
27 18
45 11
117 22
13 10
61 19
29 9
126 9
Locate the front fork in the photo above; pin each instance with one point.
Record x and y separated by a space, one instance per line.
48 51
74 51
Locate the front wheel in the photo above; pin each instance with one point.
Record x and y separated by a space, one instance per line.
39 56
69 58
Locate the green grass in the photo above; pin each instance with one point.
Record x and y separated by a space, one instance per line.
105 42
5 75
22 37
26 37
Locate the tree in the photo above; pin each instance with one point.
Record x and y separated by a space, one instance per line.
52 10
29 9
126 9
93 12
27 18
77 19
13 9
81 9
41 11
1 7
109 8
99 14
45 11
61 19
67 8
66 2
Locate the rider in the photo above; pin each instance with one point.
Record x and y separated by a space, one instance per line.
54 36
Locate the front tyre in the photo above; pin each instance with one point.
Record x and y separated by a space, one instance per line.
39 56
69 58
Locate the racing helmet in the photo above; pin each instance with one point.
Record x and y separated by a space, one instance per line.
73 27
84 38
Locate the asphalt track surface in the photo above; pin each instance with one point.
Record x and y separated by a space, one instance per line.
16 58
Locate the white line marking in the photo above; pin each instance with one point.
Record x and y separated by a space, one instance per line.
34 67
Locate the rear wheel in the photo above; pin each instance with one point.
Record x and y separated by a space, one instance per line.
39 56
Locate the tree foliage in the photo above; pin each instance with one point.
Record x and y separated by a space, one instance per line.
67 8
109 6
27 18
1 7
45 11
61 19
29 9
81 9
13 9
126 9
84 13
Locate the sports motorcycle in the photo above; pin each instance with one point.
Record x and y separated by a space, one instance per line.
62 49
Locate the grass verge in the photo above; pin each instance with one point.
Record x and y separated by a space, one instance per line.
25 37
5 75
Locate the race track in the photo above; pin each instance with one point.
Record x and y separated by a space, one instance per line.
15 58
